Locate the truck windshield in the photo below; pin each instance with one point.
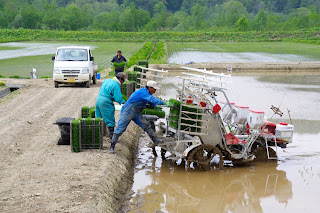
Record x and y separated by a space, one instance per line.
72 55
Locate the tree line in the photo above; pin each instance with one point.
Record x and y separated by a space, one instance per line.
160 15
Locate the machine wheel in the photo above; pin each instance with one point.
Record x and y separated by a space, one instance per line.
202 155
282 145
94 79
261 153
163 153
56 84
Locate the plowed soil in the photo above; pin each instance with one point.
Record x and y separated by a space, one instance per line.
37 175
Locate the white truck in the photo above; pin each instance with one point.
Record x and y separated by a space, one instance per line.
74 64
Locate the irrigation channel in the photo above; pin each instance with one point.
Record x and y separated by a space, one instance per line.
289 185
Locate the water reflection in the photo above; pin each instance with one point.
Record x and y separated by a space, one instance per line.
230 190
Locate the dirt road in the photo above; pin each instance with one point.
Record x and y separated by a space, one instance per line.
37 175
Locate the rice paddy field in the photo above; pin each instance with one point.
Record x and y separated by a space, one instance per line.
202 52
18 58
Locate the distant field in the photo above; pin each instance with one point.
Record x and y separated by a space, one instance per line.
183 52
10 48
22 66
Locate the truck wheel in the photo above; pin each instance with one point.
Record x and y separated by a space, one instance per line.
94 79
56 84
88 84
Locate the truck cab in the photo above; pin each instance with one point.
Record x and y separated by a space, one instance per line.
74 64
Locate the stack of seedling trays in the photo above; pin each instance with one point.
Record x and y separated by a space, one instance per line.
154 111
133 75
128 87
190 119
86 133
88 112
137 71
143 63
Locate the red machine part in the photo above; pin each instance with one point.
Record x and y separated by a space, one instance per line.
203 104
269 127
233 140
189 101
216 108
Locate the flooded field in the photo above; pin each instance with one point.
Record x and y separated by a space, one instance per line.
203 52
18 58
289 185
184 57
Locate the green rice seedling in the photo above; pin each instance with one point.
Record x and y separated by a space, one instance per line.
75 140
159 55
85 112
124 97
121 64
92 112
174 116
88 128
148 111
98 136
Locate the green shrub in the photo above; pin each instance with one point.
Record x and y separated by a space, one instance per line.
2 76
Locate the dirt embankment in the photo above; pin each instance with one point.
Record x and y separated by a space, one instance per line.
39 176
251 68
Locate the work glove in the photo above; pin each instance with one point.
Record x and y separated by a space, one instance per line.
167 103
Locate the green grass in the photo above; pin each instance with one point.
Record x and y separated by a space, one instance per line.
10 48
307 50
159 55
142 54
9 35
18 77
103 53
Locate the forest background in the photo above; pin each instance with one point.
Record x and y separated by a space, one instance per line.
161 15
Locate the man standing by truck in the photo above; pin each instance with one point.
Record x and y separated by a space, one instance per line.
110 91
132 110
119 62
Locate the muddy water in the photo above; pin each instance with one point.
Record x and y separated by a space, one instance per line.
292 184
185 57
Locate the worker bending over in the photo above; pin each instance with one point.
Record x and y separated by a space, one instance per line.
132 110
110 91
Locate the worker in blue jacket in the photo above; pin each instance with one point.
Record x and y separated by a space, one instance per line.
132 110
110 91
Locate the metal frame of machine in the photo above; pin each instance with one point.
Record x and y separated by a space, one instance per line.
217 129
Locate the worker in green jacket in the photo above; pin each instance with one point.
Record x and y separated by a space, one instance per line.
110 91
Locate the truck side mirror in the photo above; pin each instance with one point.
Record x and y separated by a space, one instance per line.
53 58
91 58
